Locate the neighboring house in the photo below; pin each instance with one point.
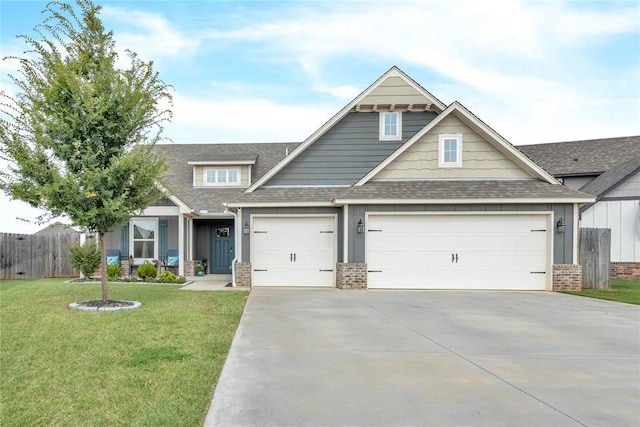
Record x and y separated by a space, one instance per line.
397 190
58 228
608 169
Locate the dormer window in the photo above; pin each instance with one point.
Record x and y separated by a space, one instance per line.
221 177
450 151
390 126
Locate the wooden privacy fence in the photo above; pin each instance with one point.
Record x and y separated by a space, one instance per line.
36 256
595 256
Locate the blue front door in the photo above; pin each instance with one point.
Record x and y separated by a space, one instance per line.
222 250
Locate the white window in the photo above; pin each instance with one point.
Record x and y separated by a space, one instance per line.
144 242
450 151
390 126
221 177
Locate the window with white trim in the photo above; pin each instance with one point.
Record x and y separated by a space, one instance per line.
390 126
222 176
450 150
144 241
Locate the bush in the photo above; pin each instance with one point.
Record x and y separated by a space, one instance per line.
85 258
147 271
167 277
114 272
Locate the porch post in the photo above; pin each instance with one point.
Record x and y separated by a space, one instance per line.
181 251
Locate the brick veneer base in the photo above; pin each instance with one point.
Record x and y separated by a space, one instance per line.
625 270
243 274
567 277
351 275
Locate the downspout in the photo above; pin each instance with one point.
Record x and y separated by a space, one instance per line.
236 234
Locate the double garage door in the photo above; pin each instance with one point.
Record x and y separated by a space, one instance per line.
407 251
458 251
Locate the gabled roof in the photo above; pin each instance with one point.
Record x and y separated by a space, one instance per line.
612 178
585 157
393 72
479 126
180 173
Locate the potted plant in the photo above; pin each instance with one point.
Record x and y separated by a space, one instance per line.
199 270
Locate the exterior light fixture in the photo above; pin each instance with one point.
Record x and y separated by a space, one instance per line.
560 225
245 228
360 227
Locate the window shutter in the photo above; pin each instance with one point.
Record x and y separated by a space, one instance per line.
124 241
163 240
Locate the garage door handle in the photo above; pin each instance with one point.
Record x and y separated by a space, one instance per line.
326 271
456 258
374 271
255 269
452 258
538 272
294 257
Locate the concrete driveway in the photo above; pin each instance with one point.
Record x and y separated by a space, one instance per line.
328 357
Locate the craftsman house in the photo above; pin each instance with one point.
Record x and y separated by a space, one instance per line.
396 191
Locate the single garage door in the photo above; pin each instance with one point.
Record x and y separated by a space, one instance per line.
458 251
293 250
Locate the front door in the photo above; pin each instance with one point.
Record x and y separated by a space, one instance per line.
222 248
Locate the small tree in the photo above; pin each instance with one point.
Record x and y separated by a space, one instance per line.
79 135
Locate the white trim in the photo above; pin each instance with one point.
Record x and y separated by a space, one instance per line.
222 162
393 72
181 251
550 229
489 134
207 183
280 204
161 211
485 201
441 150
576 230
308 186
395 137
345 233
156 237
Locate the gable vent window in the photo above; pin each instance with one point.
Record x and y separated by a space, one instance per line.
221 177
390 126
450 151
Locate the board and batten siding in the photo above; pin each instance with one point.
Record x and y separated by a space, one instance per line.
562 242
246 218
623 218
480 159
347 151
199 174
394 90
629 188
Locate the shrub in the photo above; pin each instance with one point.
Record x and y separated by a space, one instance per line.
167 277
85 258
147 271
114 272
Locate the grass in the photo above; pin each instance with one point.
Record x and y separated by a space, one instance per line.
622 290
154 366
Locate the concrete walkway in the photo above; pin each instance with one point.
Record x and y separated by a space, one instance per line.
326 357
210 282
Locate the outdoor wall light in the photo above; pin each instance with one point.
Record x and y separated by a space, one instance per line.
560 225
360 227
245 228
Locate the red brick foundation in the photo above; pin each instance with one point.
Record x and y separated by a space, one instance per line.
625 270
351 275
567 277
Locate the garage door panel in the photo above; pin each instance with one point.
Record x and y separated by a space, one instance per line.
293 251
457 251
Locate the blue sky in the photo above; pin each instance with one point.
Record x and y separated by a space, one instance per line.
535 71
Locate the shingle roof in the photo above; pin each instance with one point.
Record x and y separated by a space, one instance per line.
610 178
180 174
462 189
319 195
587 157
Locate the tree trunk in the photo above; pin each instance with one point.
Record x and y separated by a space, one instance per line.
103 262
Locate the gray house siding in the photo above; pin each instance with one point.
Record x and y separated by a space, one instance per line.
562 244
348 151
246 218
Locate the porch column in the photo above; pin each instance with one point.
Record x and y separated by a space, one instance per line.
181 245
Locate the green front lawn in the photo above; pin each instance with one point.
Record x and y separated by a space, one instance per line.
154 366
621 290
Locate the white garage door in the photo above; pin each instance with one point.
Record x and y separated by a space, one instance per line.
293 251
457 252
